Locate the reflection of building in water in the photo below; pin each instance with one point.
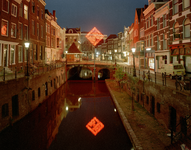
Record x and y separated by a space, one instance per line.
85 73
73 103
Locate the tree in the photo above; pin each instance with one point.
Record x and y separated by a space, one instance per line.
119 74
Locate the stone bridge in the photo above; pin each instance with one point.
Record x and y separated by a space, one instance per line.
103 68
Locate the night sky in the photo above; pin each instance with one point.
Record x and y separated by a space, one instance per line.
108 16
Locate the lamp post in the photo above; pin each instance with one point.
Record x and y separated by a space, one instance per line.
134 71
27 46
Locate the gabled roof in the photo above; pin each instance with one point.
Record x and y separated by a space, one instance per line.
73 30
73 49
111 36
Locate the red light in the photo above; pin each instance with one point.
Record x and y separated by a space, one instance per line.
95 126
94 36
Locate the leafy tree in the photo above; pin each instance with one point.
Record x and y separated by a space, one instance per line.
119 74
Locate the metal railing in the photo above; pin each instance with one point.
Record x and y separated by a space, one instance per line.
158 78
19 72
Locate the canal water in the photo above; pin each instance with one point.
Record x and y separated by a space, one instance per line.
80 115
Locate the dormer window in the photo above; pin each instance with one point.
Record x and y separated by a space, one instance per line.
70 31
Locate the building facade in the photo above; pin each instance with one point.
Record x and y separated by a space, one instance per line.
180 16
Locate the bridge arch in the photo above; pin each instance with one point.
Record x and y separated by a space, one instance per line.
103 74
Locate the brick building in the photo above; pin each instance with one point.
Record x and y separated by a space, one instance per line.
37 31
180 16
14 20
161 34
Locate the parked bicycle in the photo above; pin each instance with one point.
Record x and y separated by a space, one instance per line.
147 76
183 85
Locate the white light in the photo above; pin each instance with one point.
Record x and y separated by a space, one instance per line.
66 108
133 50
115 109
66 51
115 50
148 49
27 44
79 99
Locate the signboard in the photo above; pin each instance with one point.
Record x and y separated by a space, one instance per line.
94 36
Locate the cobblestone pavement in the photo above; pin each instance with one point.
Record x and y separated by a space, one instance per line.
143 129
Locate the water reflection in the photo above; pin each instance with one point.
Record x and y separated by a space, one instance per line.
60 122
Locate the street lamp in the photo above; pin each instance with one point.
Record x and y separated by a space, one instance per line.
27 46
134 71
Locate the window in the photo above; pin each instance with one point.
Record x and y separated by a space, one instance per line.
42 14
14 10
26 12
186 4
20 53
38 13
158 23
48 28
4 27
151 39
41 31
33 7
21 10
38 30
48 41
38 92
25 32
158 43
33 95
13 30
187 28
158 107
152 20
5 5
33 27
176 31
147 100
52 42
40 53
20 31
26 54
164 41
5 110
175 6
164 21
12 57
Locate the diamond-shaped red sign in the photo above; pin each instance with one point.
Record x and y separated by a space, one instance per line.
95 126
94 36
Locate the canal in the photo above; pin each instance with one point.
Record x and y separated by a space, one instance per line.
80 115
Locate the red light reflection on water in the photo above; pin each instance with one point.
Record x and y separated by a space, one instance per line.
95 126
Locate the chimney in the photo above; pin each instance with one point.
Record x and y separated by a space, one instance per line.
54 14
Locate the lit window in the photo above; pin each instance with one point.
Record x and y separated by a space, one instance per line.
13 30
25 11
187 28
14 10
20 54
12 57
176 31
186 4
4 28
5 5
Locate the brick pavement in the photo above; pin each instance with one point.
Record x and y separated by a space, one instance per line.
143 129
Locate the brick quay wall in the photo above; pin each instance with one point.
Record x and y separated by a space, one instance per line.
19 97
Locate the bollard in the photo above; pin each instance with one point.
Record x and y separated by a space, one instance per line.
165 78
3 74
155 78
15 72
